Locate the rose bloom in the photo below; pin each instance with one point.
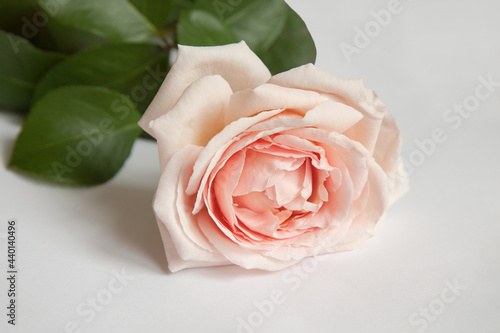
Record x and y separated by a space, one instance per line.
262 171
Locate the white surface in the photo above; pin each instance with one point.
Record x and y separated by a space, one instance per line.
446 228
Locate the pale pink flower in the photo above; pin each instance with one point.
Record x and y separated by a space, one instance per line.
262 171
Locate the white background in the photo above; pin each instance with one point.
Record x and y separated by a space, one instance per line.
445 230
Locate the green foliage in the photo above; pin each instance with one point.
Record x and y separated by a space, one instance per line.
115 20
136 70
87 69
293 47
77 135
200 28
157 12
21 67
270 28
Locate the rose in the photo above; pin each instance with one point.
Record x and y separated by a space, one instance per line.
263 171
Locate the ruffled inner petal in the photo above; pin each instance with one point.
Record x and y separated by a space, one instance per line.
280 191
223 186
280 186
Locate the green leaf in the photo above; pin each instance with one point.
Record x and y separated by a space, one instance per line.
271 29
136 70
116 20
157 11
77 135
26 19
200 28
69 39
14 13
294 46
179 6
21 67
257 22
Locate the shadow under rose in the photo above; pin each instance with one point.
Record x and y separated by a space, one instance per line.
131 218
233 272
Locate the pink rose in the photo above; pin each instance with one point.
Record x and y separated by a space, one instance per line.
262 171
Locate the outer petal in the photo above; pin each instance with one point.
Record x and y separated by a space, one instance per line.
310 77
195 119
235 253
270 97
329 116
184 247
175 262
368 222
236 63
387 154
398 183
353 92
377 131
333 117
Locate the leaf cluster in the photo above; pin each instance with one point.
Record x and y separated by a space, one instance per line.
83 71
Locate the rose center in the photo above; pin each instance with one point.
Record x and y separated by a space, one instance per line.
280 189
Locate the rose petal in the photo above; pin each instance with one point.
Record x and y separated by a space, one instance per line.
212 152
367 223
260 172
398 183
222 187
222 154
333 117
290 188
195 119
255 201
269 97
307 189
236 63
336 210
338 146
310 77
331 232
175 262
298 147
386 154
328 115
366 132
186 251
264 222
237 254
